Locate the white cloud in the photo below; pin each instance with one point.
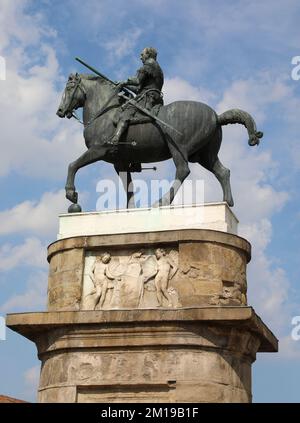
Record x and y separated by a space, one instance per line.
274 23
36 217
31 381
256 94
289 348
30 253
33 298
294 152
268 285
123 45
253 169
16 24
269 292
34 141
179 89
32 375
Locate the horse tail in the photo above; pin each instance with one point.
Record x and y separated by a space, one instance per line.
244 118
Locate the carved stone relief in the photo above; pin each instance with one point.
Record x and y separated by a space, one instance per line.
233 293
138 279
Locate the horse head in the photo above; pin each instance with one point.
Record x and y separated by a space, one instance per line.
73 97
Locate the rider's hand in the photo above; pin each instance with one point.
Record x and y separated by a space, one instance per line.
121 84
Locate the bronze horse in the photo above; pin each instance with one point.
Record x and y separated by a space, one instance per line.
199 142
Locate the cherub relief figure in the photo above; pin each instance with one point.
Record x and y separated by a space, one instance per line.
166 269
100 276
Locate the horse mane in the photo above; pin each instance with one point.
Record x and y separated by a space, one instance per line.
91 77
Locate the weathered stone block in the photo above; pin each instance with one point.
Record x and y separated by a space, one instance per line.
199 355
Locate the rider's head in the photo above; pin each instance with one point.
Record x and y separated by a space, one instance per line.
147 53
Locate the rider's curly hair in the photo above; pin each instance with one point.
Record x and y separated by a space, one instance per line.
151 51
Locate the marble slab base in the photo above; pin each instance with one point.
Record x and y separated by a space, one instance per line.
215 216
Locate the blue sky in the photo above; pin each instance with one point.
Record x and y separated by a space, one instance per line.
229 54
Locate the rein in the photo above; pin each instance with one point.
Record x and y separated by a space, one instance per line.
74 115
104 109
101 112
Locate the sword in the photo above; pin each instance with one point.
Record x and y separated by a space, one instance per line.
133 103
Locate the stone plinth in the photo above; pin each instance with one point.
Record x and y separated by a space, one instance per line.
215 216
147 315
185 355
208 264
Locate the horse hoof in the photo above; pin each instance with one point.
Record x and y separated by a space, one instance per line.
230 203
255 140
72 195
74 208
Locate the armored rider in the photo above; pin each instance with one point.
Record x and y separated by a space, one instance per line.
147 85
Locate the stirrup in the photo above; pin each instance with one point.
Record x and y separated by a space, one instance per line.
112 142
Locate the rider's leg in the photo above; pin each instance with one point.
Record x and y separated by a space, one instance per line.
123 123
121 128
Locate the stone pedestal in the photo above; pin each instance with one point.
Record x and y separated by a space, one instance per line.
185 355
149 316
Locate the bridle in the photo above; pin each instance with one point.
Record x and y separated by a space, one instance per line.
77 86
101 112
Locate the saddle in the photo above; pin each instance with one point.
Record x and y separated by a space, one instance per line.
151 99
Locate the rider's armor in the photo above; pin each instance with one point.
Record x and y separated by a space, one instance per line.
147 85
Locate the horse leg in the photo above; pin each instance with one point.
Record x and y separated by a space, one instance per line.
182 171
92 155
223 175
128 187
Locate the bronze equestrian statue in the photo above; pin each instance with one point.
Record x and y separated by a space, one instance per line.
127 131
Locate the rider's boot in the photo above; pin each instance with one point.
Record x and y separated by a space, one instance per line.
121 128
